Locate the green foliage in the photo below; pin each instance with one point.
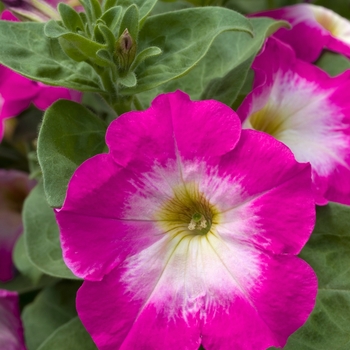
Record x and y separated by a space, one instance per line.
76 46
333 63
328 252
184 37
70 336
342 7
70 134
41 235
227 87
144 6
232 53
52 308
26 50
23 263
23 284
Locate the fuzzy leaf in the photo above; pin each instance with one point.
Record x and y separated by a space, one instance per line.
70 336
74 45
146 53
70 18
52 308
41 235
144 6
222 72
23 263
184 37
333 63
26 50
111 17
23 284
130 22
70 134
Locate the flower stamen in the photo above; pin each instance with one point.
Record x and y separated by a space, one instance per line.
198 222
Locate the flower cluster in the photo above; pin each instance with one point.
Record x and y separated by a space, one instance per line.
198 224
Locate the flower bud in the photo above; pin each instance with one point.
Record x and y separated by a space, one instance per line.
125 51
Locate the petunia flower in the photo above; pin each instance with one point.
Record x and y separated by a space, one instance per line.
314 28
303 107
14 188
186 232
38 10
11 330
18 92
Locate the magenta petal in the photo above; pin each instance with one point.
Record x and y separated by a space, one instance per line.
130 323
48 95
268 200
314 28
277 307
309 111
8 16
98 207
11 331
14 187
172 126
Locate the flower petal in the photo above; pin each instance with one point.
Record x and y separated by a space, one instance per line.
307 110
173 125
266 213
279 305
14 187
314 28
129 323
11 331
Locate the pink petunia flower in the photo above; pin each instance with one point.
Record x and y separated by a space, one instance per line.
314 28
11 331
185 233
303 107
14 188
39 10
18 92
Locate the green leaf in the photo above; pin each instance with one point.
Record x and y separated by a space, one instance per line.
146 53
74 45
130 22
92 9
129 80
26 50
333 63
23 284
144 6
23 263
222 72
41 235
51 309
111 18
70 336
184 37
328 252
227 88
70 18
69 135
108 37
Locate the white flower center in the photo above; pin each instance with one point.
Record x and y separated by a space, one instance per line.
338 26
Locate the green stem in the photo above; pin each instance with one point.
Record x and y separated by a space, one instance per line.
271 4
123 104
138 104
